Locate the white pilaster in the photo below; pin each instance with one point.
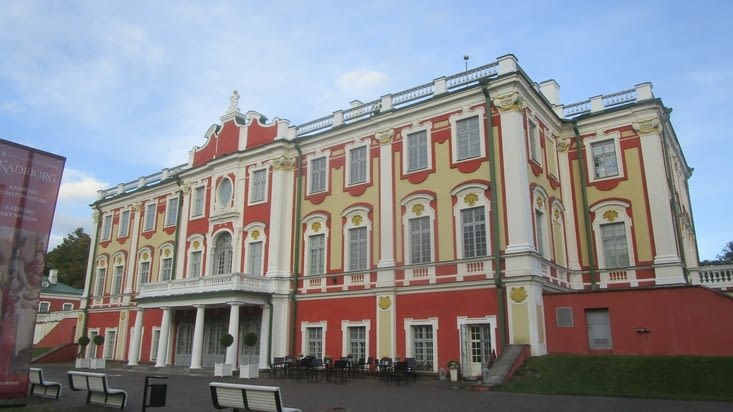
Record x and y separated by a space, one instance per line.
165 328
198 337
133 355
181 232
264 337
567 186
386 200
132 255
281 218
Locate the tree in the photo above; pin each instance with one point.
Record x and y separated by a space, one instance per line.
726 255
70 258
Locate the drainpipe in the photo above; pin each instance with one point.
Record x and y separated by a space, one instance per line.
586 212
495 217
296 245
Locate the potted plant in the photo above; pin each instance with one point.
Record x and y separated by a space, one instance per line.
453 368
95 363
249 370
224 369
82 361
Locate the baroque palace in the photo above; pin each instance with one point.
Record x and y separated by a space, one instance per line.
440 223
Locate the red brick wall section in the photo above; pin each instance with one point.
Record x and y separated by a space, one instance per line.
686 320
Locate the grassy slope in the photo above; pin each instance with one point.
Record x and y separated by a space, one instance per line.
667 377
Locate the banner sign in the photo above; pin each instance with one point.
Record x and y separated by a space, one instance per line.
29 188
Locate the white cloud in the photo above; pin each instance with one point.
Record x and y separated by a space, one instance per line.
78 186
361 82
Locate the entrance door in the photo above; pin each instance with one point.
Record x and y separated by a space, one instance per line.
599 330
184 344
477 344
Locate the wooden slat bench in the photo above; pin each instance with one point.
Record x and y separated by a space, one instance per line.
247 397
98 389
41 387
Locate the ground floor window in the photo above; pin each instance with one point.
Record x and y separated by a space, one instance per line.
314 342
109 344
422 346
357 342
154 340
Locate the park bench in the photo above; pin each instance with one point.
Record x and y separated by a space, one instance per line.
41 387
247 397
98 389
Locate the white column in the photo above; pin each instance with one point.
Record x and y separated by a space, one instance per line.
386 200
281 217
264 337
134 355
198 337
569 188
132 254
233 350
165 326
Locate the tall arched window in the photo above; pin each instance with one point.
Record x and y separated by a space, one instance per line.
223 254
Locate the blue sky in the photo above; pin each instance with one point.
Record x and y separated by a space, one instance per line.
123 89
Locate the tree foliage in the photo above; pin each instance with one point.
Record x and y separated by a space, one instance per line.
726 255
70 258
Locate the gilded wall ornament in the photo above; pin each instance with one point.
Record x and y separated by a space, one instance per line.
316 227
508 102
167 253
255 234
610 215
384 136
518 295
196 244
418 209
384 302
145 256
356 220
540 202
471 199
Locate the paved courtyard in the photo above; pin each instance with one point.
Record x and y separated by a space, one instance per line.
190 392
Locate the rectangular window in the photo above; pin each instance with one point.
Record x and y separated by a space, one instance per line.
599 329
420 240
44 307
124 223
314 342
67 307
615 248
318 175
539 218
109 344
107 227
154 341
171 212
199 194
468 138
358 248
358 165
144 272
117 283
417 151
259 181
92 348
101 275
166 269
604 159
150 216
254 260
357 342
474 232
422 345
534 141
316 254
564 317
194 266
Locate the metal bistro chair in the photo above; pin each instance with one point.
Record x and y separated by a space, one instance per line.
341 370
399 372
411 369
384 369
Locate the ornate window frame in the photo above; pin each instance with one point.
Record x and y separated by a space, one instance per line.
467 113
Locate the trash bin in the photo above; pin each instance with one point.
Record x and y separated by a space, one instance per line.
154 394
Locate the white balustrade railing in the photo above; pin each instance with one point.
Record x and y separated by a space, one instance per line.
229 282
717 277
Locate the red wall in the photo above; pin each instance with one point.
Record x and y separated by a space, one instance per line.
62 333
681 321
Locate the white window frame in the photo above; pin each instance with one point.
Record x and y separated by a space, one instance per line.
558 233
166 255
255 233
118 275
154 343
195 263
144 256
465 115
258 189
356 218
151 212
311 178
67 306
224 200
92 348
543 243
418 206
408 323
612 211
110 343
198 201
123 230
346 339
361 165
99 287
171 211
410 132
41 304
216 268
107 227
590 162
470 196
534 144
315 225
304 336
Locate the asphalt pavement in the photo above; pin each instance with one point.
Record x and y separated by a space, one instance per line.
189 392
